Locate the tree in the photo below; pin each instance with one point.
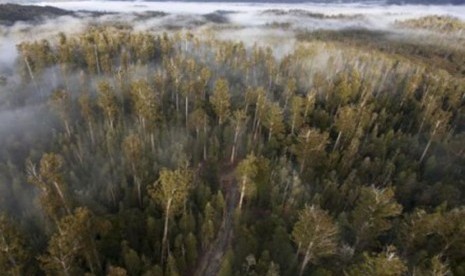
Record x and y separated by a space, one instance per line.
316 235
221 100
239 119
60 101
274 120
296 116
246 170
131 259
291 88
51 184
116 271
386 263
145 107
273 270
439 268
439 121
441 228
108 102
87 113
170 191
71 242
134 152
199 121
13 254
346 124
310 147
372 214
191 248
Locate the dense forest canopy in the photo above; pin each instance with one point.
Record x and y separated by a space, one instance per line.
180 152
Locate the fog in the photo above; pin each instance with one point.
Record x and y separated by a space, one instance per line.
273 25
257 22
251 13
268 24
264 24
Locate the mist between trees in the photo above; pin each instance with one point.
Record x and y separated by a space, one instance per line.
132 153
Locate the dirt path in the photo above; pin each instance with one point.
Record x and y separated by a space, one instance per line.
210 263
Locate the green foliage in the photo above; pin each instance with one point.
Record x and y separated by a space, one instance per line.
160 140
71 244
316 235
13 253
435 23
221 100
386 263
373 213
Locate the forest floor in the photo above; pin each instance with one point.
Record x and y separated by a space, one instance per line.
210 262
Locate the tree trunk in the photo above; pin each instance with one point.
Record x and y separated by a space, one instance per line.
241 200
302 166
31 75
97 59
65 268
425 151
187 109
205 139
62 197
91 132
423 155
305 261
304 265
256 130
165 231
89 262
293 124
68 129
286 102
29 69
152 142
139 190
233 151
338 140
177 101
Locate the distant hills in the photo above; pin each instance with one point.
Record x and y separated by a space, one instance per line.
11 13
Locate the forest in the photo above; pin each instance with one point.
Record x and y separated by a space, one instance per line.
131 152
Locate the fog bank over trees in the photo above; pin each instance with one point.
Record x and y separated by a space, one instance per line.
233 139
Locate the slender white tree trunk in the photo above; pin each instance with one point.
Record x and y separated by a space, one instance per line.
338 140
241 200
97 59
165 230
233 151
62 197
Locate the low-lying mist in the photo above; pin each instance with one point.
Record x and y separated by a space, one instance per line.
131 126
281 27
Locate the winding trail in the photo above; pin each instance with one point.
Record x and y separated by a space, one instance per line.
210 262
